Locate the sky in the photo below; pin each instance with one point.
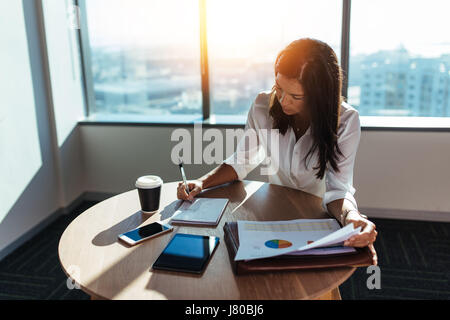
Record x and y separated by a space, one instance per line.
422 27
255 26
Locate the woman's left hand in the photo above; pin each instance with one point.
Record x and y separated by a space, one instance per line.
367 235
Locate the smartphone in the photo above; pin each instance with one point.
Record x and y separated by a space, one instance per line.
149 231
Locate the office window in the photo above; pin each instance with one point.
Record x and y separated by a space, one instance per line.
244 38
144 57
407 39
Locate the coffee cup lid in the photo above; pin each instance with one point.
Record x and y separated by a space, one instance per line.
148 182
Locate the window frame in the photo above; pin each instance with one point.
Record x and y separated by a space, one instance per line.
369 123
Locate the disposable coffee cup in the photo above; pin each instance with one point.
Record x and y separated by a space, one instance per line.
149 189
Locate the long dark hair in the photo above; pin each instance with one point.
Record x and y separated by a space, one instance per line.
314 64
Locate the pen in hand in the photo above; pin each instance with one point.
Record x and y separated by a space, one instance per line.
184 177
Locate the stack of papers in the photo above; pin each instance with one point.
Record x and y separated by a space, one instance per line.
201 211
294 237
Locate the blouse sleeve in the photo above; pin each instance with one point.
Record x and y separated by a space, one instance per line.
250 151
339 185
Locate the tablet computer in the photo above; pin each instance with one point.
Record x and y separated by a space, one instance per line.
187 253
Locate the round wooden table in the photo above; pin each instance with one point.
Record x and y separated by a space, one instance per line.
106 268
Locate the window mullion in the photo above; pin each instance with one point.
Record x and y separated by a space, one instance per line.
204 61
85 56
345 44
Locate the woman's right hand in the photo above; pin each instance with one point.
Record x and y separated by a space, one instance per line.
195 187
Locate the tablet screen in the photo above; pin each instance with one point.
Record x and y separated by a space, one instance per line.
187 253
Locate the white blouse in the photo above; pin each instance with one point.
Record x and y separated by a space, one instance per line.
286 166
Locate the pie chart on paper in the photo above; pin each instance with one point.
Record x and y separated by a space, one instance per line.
278 244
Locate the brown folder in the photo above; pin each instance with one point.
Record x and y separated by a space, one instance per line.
362 257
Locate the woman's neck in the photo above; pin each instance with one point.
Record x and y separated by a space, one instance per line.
300 121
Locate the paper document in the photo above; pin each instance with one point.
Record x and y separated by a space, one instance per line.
323 251
273 238
201 211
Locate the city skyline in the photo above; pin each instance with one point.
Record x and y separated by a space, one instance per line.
152 66
379 84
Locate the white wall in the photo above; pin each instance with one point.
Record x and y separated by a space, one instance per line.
394 171
20 154
38 175
404 171
28 185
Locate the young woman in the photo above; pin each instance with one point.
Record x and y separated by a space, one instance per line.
319 136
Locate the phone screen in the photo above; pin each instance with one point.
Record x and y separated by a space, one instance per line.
146 231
